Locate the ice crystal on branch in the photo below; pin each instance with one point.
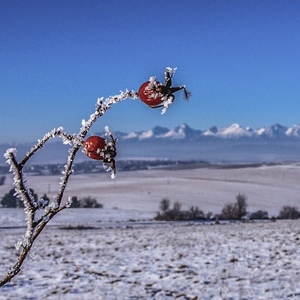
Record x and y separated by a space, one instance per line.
107 131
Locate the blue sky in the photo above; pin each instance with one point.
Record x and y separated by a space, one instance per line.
240 60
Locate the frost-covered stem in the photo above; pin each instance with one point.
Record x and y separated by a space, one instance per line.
52 134
17 267
35 227
26 248
23 193
19 180
67 173
101 109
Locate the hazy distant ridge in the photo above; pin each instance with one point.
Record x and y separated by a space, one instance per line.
235 143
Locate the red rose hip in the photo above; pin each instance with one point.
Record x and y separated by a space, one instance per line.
149 93
94 147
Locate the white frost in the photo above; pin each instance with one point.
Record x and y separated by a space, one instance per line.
9 152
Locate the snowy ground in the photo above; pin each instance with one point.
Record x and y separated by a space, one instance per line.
104 254
158 261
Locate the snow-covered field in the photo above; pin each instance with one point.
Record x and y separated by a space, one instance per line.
266 187
104 254
159 261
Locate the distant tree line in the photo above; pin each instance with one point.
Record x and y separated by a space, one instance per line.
87 167
10 200
231 211
86 202
167 212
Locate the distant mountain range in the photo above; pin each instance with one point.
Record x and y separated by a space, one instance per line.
276 143
235 131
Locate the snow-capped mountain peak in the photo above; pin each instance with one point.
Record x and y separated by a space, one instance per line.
212 131
234 131
293 131
273 131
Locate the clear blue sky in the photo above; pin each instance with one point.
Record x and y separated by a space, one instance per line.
240 60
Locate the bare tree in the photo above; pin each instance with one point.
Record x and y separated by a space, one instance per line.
289 212
164 204
176 210
241 206
237 210
228 211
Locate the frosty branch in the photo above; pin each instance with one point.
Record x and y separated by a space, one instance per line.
36 225
40 212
